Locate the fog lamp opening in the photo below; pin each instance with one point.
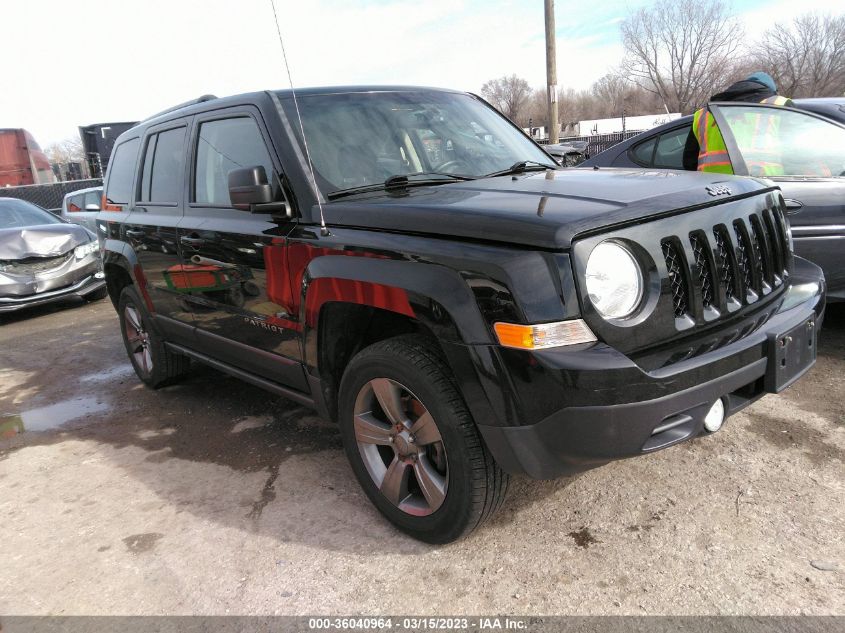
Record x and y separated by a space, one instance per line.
715 416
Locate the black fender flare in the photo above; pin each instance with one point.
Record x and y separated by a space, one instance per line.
121 254
439 297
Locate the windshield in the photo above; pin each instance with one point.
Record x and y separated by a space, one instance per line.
17 214
364 138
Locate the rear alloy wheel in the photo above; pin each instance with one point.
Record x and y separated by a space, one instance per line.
412 443
155 365
137 339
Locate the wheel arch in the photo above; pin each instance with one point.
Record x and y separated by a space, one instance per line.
349 303
120 268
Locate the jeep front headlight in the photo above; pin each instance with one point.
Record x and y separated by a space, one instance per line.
614 280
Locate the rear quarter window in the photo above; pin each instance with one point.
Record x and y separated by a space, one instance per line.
121 172
670 149
643 153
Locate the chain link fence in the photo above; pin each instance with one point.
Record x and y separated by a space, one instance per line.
48 196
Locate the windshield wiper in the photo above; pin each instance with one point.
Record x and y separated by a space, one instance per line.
403 180
400 181
520 167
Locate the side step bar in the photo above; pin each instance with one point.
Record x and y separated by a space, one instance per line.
258 381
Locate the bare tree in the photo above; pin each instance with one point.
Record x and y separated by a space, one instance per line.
806 57
64 154
67 151
611 93
508 94
535 110
609 97
578 105
680 49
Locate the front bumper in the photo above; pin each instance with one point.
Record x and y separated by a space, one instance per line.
77 279
615 410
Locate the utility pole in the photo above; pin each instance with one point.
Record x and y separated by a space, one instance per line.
551 73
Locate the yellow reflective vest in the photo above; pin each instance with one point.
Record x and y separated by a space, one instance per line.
712 153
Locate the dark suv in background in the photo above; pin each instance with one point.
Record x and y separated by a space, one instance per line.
459 305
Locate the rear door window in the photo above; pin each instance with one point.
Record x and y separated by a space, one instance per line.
222 146
161 179
121 172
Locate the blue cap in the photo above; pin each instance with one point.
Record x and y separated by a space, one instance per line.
763 78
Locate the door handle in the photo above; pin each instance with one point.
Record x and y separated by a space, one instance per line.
191 241
793 206
135 234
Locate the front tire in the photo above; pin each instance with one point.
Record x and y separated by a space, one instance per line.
412 443
154 364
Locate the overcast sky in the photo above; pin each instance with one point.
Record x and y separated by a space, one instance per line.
76 62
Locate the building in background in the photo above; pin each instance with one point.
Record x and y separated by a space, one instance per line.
22 162
98 141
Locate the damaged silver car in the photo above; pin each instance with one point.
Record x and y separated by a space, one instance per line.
45 259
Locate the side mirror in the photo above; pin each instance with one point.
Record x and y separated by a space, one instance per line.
249 187
92 207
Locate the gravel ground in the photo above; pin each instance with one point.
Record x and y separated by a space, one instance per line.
213 497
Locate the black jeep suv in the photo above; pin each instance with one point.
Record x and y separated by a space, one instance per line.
410 264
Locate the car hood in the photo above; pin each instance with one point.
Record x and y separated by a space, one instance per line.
47 240
543 209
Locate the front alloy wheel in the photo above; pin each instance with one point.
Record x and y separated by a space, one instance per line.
412 443
401 447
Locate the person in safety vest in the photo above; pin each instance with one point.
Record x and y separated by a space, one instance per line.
705 148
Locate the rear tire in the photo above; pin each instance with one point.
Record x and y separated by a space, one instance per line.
420 458
155 365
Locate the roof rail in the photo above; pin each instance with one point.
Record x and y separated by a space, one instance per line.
201 99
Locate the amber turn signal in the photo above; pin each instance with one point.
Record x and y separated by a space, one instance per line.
544 335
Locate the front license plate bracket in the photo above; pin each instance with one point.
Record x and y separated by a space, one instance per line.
791 355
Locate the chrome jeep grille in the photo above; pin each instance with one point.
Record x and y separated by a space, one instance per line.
709 275
724 267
